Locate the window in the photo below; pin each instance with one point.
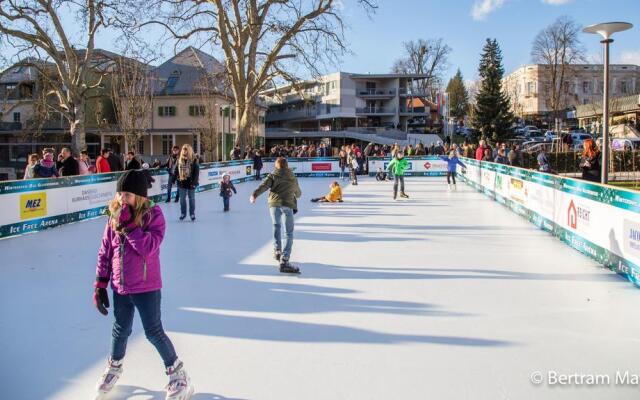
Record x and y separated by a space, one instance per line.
172 80
586 87
623 87
167 111
224 112
167 143
531 88
195 143
16 117
197 111
141 146
233 113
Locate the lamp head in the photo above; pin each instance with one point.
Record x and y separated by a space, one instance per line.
606 29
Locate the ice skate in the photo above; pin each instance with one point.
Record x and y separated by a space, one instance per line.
395 195
455 187
404 195
277 254
448 187
287 268
109 378
179 387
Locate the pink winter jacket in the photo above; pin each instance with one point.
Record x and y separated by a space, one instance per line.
132 261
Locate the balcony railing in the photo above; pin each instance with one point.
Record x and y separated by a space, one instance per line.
376 92
415 110
412 92
10 126
376 110
293 114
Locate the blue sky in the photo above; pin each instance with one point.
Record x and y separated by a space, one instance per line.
377 41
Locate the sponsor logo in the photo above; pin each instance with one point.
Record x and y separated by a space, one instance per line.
631 237
409 166
578 215
33 205
247 170
212 173
427 165
321 166
93 196
517 190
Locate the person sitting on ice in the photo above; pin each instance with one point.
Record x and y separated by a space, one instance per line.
452 162
335 195
381 175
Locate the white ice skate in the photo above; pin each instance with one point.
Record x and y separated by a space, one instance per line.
449 187
179 387
109 378
455 188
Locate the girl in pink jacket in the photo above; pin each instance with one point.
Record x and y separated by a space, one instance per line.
129 257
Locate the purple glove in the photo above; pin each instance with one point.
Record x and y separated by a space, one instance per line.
125 220
100 296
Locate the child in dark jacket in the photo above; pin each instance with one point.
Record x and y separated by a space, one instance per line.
129 257
226 189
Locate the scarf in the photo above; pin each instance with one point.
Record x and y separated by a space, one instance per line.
184 168
47 161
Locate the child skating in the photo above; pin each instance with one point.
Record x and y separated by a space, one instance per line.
129 257
227 189
397 167
335 195
452 161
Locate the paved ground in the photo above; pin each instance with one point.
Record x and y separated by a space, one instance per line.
443 296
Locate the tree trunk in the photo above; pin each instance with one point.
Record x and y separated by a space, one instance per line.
243 125
76 129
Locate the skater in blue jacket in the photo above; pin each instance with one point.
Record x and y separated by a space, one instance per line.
452 162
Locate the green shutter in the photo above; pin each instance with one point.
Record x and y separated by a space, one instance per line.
160 111
191 111
172 111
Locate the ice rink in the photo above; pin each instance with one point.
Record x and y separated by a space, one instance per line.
442 296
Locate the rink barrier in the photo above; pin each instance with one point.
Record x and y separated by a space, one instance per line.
418 165
600 221
37 204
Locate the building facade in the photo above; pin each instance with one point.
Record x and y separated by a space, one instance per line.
341 101
529 87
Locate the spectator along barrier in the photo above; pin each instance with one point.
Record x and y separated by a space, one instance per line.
36 204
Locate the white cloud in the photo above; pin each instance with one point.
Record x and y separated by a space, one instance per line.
556 2
482 8
630 57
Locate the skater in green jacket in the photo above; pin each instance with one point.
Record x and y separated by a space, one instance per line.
397 166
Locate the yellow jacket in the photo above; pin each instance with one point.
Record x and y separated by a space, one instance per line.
334 195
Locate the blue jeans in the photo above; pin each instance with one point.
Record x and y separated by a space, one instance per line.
225 202
148 305
277 214
256 173
172 180
191 193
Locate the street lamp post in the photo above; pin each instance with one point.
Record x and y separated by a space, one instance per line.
605 30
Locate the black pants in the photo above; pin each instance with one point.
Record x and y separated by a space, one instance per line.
396 179
451 175
257 174
172 180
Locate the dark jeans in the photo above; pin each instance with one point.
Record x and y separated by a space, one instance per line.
451 175
225 202
396 179
172 180
342 175
148 305
257 174
184 193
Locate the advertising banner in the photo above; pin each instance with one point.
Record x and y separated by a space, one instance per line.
600 221
418 166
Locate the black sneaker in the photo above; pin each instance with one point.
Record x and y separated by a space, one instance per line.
193 217
287 268
176 200
167 201
277 255
182 217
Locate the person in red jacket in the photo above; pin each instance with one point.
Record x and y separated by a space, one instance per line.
480 151
102 163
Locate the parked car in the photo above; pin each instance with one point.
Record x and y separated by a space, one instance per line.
578 138
531 130
624 144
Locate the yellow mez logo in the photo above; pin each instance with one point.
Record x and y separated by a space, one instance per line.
33 205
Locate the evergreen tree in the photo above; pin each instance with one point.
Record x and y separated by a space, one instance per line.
458 97
492 115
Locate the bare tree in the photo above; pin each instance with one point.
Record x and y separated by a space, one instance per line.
213 93
428 57
263 41
132 90
35 28
557 47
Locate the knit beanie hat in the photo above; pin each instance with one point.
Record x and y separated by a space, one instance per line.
134 181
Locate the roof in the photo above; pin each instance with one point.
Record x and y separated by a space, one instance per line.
388 76
187 70
23 71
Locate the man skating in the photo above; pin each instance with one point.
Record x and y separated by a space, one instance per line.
284 193
397 166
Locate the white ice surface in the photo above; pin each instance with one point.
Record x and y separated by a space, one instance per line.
443 296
